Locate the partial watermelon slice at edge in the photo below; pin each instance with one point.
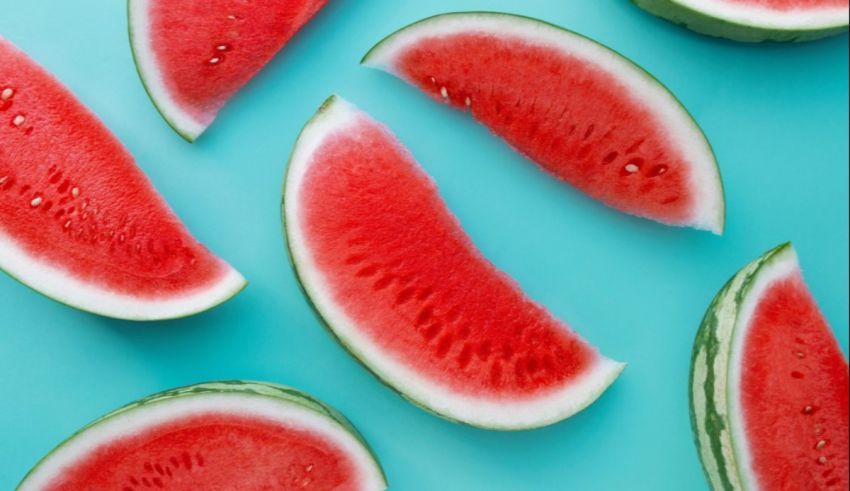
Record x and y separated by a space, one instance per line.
279 409
747 21
505 413
80 222
207 51
787 379
654 138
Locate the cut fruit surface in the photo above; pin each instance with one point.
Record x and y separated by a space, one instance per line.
194 56
582 112
756 20
216 436
769 398
79 221
400 284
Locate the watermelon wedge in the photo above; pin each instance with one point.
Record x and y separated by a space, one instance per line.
194 56
769 397
755 20
216 436
79 222
582 112
402 287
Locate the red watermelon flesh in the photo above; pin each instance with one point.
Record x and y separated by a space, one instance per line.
194 56
791 4
74 204
228 451
399 281
794 393
580 111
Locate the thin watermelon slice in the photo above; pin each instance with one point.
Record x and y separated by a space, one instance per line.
769 385
216 436
399 283
79 221
582 112
194 56
756 20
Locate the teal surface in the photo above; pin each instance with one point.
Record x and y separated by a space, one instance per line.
777 115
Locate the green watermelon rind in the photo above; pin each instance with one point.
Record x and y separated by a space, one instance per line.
704 23
715 436
362 360
234 387
698 131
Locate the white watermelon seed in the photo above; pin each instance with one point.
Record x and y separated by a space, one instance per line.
7 93
231 17
222 47
309 468
808 410
19 120
800 355
821 445
632 168
823 460
68 224
468 101
215 60
3 180
444 92
434 80
36 201
75 192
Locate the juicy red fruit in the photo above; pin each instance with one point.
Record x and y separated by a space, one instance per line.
794 393
72 197
576 120
208 50
214 451
399 263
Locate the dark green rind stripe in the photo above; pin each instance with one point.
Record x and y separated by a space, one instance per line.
235 387
719 27
710 341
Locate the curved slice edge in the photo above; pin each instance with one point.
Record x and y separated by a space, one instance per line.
334 116
272 401
716 368
57 284
143 56
706 182
748 23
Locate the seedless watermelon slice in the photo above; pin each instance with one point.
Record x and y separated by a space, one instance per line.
79 221
756 20
217 436
769 398
194 56
581 111
403 288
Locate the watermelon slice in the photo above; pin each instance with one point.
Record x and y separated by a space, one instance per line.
217 436
769 399
79 221
399 283
582 112
756 20
194 56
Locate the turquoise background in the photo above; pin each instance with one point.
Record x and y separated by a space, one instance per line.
777 115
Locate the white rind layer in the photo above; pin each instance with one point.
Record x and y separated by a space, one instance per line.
759 16
733 314
710 211
125 423
152 78
336 117
61 286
